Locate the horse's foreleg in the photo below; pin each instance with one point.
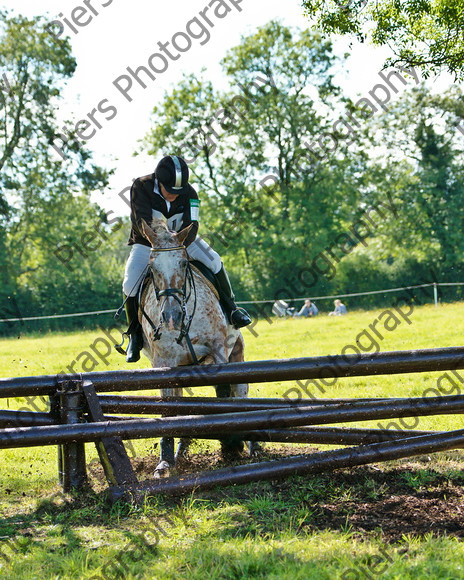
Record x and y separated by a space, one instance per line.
167 459
231 445
182 448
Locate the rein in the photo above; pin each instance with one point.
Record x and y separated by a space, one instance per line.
181 296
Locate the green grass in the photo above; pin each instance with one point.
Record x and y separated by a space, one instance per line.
304 527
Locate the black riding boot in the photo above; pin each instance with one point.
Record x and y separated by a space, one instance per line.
134 330
238 317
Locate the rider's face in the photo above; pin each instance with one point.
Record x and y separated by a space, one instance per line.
168 196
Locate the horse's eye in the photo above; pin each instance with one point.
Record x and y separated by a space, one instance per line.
184 263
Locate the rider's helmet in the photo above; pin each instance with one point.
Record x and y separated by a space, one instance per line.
173 173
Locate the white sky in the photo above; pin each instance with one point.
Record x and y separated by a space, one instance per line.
127 33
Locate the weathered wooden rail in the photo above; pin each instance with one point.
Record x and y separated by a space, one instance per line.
193 426
78 415
308 464
350 365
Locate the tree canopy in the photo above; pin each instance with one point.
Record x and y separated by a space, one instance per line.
45 200
285 187
283 100
426 34
303 191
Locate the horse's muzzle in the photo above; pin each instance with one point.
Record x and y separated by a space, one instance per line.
173 316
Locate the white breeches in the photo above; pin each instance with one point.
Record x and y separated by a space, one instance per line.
136 263
201 251
139 258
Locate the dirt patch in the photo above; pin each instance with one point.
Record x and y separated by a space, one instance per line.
393 500
399 511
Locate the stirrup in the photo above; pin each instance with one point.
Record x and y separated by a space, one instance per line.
118 347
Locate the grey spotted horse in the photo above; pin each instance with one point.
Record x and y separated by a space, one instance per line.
180 306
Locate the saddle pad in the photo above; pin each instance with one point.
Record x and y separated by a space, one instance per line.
206 273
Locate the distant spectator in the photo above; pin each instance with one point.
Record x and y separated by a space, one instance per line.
308 309
340 309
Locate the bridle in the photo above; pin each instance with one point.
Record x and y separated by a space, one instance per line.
181 296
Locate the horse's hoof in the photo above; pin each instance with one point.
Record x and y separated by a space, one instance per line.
163 469
254 449
232 452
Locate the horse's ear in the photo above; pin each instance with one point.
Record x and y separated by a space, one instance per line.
148 233
184 233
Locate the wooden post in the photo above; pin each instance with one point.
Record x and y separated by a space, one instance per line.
113 456
71 456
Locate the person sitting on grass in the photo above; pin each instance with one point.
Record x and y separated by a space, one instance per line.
308 309
340 309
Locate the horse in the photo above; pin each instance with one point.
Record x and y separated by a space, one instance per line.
183 324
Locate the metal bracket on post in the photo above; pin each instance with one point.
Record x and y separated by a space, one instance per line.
113 456
71 456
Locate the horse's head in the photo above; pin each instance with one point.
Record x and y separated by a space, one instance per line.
169 265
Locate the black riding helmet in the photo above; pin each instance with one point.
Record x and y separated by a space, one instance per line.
173 173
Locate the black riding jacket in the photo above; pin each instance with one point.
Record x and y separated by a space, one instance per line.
148 203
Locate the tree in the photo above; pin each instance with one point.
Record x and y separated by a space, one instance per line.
418 160
276 128
44 200
421 33
33 70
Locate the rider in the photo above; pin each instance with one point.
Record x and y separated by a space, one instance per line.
167 194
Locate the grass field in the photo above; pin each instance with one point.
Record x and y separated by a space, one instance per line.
403 519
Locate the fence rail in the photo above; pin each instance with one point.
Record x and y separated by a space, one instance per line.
300 465
229 422
435 286
79 415
349 365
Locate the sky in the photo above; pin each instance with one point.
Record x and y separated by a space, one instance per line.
114 35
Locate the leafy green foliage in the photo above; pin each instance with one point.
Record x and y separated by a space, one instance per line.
284 102
34 69
281 188
422 33
426 183
282 179
44 199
